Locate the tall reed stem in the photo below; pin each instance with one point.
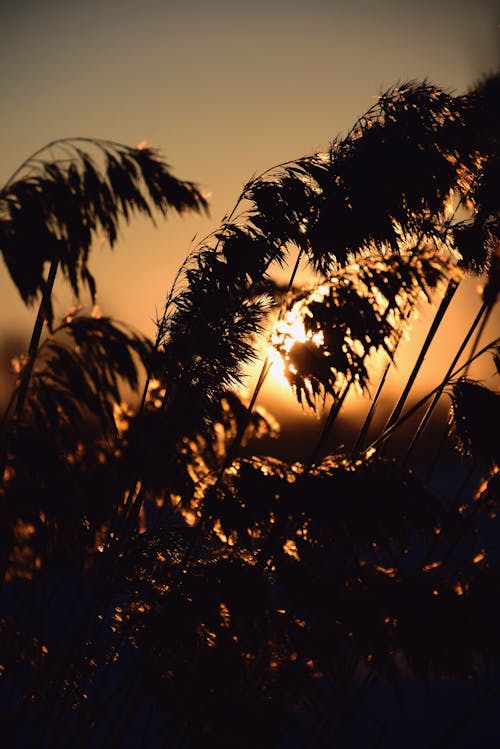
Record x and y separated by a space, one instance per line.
445 303
358 445
332 415
41 317
479 333
369 416
389 431
439 391
19 399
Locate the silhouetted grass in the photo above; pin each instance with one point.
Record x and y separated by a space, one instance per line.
165 584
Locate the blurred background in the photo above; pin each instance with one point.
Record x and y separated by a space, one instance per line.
225 90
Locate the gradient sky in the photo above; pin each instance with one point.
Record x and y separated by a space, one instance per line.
224 89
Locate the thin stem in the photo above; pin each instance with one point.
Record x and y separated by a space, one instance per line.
390 430
479 333
445 302
36 335
332 415
369 417
434 402
17 402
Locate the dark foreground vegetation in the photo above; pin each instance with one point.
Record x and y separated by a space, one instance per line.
167 585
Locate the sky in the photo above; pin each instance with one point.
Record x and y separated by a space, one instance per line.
224 90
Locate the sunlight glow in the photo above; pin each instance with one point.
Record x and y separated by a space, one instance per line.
432 565
289 330
290 548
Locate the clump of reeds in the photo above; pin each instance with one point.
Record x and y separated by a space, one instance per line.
213 597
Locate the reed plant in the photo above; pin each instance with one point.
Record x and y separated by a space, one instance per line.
165 583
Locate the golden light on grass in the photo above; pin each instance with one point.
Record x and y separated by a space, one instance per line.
290 548
389 571
432 565
289 330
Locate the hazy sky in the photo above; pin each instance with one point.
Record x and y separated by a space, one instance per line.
224 89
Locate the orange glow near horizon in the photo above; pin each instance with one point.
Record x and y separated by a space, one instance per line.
177 67
279 398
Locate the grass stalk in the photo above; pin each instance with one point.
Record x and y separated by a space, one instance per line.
361 438
445 303
479 333
16 405
431 407
327 426
389 431
42 316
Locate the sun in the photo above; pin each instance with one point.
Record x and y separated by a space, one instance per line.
288 330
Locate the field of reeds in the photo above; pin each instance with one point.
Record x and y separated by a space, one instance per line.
166 583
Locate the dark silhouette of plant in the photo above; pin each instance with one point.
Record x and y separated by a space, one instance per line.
52 208
165 583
